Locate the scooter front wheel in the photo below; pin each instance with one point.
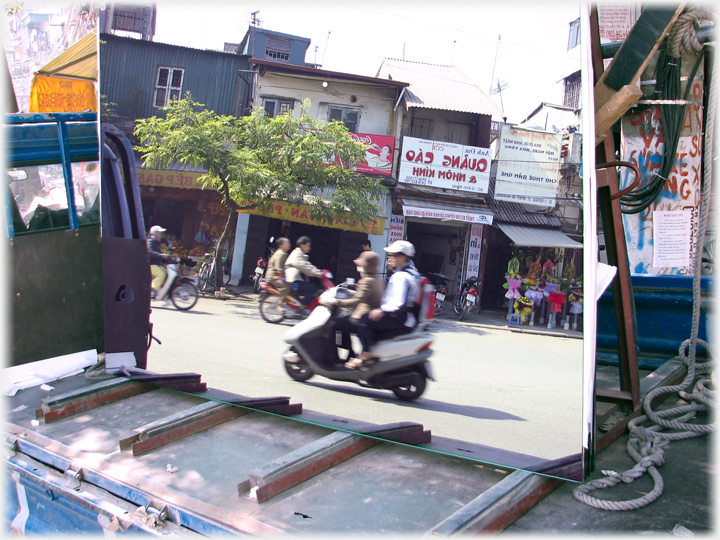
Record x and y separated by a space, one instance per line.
411 391
184 296
298 371
269 309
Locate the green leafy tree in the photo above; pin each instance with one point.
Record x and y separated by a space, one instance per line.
254 160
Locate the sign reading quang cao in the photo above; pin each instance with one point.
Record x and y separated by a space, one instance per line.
528 166
444 165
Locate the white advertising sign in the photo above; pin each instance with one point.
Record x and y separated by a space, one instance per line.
397 228
528 166
444 165
439 213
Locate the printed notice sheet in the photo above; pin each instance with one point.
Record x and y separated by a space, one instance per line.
672 238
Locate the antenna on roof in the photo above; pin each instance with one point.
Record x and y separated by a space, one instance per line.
255 20
452 56
325 49
403 51
316 50
492 78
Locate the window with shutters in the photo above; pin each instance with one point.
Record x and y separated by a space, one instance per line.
421 128
275 107
168 85
277 48
349 117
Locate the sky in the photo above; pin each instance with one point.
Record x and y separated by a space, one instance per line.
531 54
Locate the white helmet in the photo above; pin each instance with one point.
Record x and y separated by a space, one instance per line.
156 229
401 246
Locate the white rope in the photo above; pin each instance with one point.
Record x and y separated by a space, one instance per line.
645 445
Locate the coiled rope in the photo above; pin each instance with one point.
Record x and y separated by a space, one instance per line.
682 37
645 445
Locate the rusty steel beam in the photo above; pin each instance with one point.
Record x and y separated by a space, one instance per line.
97 395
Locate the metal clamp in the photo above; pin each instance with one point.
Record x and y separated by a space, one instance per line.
76 475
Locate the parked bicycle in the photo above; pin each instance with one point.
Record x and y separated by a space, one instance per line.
206 274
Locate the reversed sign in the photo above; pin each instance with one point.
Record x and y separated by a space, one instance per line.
300 213
441 213
169 178
397 228
528 166
379 151
444 165
474 251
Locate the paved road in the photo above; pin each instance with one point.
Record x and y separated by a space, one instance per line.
517 392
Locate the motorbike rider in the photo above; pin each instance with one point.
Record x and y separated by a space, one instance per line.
297 266
157 258
276 269
396 309
366 297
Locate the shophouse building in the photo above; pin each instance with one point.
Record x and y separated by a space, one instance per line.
368 106
139 77
441 202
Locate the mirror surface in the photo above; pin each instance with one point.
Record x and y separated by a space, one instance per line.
507 394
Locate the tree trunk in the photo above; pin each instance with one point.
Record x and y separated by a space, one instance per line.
230 224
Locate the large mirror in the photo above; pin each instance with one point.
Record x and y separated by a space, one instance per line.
472 123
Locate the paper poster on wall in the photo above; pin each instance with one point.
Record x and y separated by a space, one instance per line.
672 238
379 151
643 144
444 165
528 166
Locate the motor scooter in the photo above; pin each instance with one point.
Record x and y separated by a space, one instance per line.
403 366
466 297
181 290
261 266
270 295
439 281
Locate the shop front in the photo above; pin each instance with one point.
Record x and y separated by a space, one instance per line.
334 246
448 238
176 201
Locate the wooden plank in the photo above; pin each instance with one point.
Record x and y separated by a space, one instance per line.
614 109
650 23
499 506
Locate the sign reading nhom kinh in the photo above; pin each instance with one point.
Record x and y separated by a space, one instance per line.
444 165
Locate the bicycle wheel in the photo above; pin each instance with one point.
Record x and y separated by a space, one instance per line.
203 277
269 309
184 296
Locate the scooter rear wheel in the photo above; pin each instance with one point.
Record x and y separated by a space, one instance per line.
256 283
269 309
184 296
465 311
457 304
411 391
298 371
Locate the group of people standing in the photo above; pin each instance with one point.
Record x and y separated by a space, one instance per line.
377 305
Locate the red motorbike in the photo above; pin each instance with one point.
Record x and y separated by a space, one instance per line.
466 297
260 267
269 297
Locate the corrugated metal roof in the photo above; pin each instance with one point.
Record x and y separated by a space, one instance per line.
439 87
535 237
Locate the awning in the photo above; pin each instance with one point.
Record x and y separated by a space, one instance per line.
536 237
419 208
67 83
79 61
